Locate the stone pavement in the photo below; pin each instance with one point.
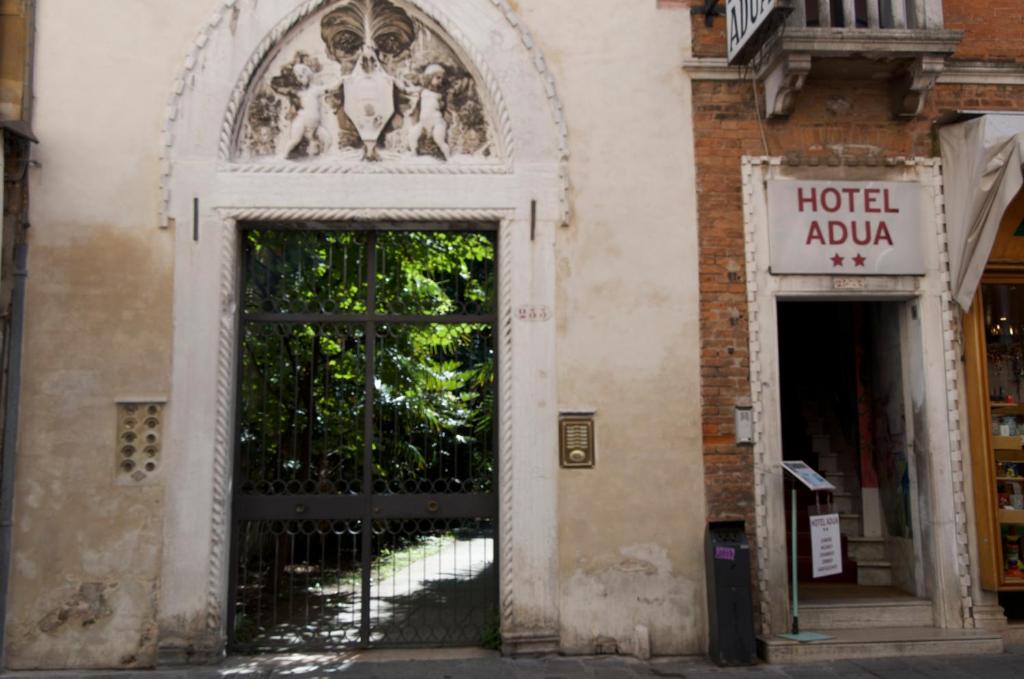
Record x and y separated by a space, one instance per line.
479 665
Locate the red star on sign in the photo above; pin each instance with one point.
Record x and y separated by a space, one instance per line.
859 260
837 260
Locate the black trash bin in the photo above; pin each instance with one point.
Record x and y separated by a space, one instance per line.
730 606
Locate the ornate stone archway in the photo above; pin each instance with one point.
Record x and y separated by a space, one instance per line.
324 110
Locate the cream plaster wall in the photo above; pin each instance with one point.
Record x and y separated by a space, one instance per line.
631 529
85 574
86 582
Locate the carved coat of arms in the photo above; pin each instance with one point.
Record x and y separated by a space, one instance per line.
369 100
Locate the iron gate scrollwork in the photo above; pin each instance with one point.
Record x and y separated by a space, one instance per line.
365 508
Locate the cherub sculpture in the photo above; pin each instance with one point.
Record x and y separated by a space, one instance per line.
308 122
429 111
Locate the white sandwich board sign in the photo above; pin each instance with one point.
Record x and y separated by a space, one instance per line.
826 546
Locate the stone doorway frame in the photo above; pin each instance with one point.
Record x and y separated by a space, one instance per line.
948 580
205 195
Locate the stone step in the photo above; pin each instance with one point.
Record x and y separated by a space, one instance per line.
828 463
842 502
866 549
805 572
849 525
837 479
880 642
874 612
874 573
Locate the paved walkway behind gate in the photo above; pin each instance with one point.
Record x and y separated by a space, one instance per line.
480 665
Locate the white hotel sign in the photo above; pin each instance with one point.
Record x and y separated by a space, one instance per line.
845 228
744 19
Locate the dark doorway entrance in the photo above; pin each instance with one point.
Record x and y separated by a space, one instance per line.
365 507
844 413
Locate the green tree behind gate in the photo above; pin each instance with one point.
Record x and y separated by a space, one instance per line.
303 362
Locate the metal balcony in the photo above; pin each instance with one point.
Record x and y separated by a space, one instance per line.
900 40
866 14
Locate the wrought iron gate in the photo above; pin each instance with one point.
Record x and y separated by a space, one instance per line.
364 509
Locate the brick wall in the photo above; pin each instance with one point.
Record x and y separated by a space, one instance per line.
994 29
707 41
849 118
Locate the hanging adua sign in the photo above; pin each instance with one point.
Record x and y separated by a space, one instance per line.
746 24
845 228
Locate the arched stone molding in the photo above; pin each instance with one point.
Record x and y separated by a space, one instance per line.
205 195
228 12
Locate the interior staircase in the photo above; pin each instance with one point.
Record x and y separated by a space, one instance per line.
868 553
865 616
864 558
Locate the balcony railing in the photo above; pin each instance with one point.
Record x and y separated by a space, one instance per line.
900 40
922 14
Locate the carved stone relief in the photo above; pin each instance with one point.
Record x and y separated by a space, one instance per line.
365 80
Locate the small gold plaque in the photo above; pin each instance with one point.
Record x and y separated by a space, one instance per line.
576 440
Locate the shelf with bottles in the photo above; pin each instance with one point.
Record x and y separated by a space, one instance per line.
1005 355
1009 470
1007 426
1010 516
1007 443
1003 408
1013 568
999 466
1009 455
1010 491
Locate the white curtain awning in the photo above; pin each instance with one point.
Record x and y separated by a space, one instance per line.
983 169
